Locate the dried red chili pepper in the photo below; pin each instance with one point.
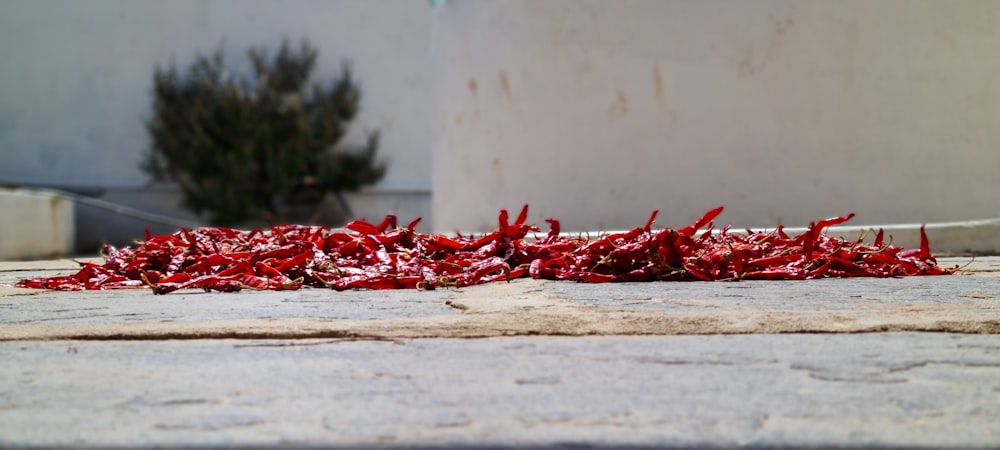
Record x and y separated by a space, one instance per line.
384 256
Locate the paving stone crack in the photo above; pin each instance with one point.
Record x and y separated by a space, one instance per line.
331 341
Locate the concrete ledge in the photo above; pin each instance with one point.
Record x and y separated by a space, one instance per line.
968 237
35 224
966 303
981 237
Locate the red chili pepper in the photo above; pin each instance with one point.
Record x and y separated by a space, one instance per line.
701 222
384 256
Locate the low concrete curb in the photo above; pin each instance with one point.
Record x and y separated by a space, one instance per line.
36 224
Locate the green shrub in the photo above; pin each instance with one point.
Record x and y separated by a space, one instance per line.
243 147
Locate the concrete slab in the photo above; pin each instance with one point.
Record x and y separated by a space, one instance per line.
881 390
127 368
967 303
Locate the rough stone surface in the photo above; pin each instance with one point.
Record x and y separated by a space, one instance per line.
967 303
889 389
560 365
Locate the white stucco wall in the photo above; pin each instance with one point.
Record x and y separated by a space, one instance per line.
75 77
597 112
592 111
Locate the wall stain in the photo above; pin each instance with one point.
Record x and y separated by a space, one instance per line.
851 50
505 84
746 67
658 81
473 86
619 108
782 25
749 65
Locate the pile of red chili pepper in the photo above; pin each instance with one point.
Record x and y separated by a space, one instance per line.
383 256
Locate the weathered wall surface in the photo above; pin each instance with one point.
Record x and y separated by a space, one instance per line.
598 112
594 112
75 79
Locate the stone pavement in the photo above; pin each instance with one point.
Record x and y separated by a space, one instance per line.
882 363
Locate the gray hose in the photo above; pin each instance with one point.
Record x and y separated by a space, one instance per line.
119 209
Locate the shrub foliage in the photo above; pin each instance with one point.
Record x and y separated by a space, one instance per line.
242 147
